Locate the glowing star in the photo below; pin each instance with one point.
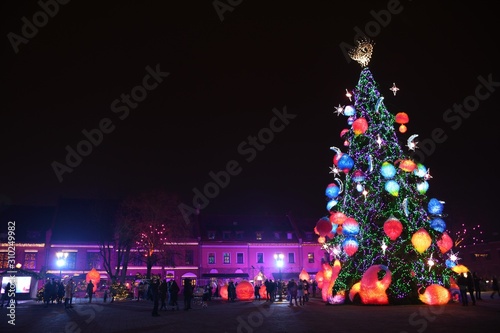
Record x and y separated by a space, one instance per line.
339 110
384 247
348 94
427 175
379 141
335 170
430 262
410 143
454 257
363 51
365 193
394 89
336 250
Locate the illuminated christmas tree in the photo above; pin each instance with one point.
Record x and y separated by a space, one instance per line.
386 239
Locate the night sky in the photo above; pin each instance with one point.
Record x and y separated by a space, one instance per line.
177 89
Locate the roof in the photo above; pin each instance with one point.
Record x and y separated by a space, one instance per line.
244 228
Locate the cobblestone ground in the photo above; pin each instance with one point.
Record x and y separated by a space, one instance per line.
251 317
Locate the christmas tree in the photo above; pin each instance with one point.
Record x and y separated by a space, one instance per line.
386 239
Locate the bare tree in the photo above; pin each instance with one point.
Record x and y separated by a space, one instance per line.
155 220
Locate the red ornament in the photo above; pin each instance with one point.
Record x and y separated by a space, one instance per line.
402 119
245 291
323 226
445 243
343 132
393 228
338 218
360 126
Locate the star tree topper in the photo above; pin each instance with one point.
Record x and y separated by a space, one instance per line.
363 52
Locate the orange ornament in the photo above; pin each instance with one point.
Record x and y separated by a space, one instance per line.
421 240
402 119
245 291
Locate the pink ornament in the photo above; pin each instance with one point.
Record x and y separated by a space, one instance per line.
360 126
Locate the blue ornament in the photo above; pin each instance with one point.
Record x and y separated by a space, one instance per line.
345 163
387 170
438 224
349 111
450 263
330 204
392 187
332 191
435 207
420 170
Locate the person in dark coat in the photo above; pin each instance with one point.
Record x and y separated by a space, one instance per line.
47 292
163 294
462 285
155 295
231 291
90 290
470 287
173 293
494 287
188 294
477 285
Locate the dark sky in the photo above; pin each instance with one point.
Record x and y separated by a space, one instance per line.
227 73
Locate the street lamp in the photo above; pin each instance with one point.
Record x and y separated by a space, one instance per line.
61 261
279 262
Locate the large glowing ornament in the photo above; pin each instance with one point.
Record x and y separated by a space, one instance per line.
349 111
330 204
393 228
362 53
421 240
407 165
460 269
387 170
445 243
320 277
360 126
392 187
350 227
372 290
332 190
323 226
435 294
95 276
223 292
420 170
438 224
422 187
338 218
304 275
327 276
402 119
435 207
245 291
345 163
350 246
263 292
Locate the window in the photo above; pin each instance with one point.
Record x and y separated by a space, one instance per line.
4 261
310 257
227 258
226 235
170 259
260 258
93 260
211 235
291 258
30 260
70 261
189 257
309 236
239 235
276 235
239 258
258 235
211 258
289 235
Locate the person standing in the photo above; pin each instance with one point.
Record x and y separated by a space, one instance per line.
173 291
154 288
5 295
494 286
292 289
231 291
163 294
300 292
47 292
462 285
90 290
470 287
257 291
68 294
188 294
477 285
314 285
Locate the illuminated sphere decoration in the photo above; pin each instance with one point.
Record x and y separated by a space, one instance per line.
358 176
332 190
420 170
245 291
349 110
407 165
360 126
422 187
445 243
263 291
393 228
350 227
402 119
337 218
421 240
438 224
450 263
319 279
372 289
323 226
345 163
304 275
223 292
435 294
350 120
392 187
350 246
95 276
330 204
435 207
387 170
